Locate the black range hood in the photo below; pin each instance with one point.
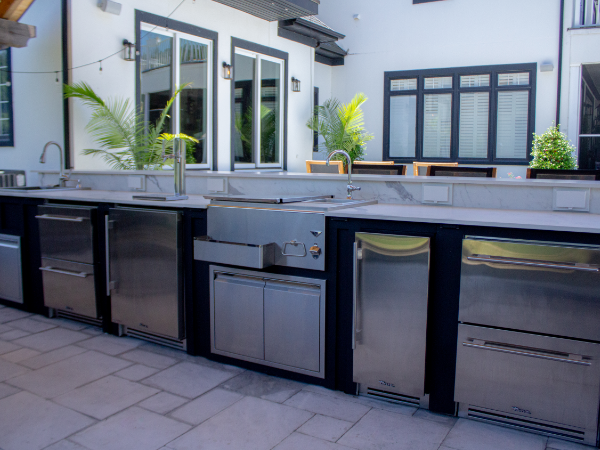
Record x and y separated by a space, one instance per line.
273 10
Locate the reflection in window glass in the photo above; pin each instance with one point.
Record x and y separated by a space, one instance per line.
156 75
474 81
513 108
437 125
270 101
473 125
244 67
513 79
438 83
403 126
408 84
589 153
193 99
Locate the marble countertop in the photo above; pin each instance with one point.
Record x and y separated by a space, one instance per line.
536 220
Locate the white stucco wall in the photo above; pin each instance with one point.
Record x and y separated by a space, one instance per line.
394 35
37 98
97 34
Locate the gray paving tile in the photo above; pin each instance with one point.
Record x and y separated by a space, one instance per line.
8 314
13 334
136 372
328 406
60 322
263 386
559 444
20 355
297 441
57 355
132 429
105 397
92 331
10 370
65 445
187 379
324 427
206 406
4 328
6 390
51 339
163 402
383 430
111 345
250 424
439 418
32 423
64 376
149 359
6 347
31 325
472 435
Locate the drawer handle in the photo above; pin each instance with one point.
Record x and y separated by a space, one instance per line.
525 353
7 245
65 272
61 218
528 262
295 244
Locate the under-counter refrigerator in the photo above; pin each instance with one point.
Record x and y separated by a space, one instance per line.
391 279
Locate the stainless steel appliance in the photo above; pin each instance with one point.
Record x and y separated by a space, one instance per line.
68 260
11 280
529 340
391 280
144 273
12 178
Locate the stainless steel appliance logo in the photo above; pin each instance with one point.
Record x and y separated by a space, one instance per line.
519 410
385 383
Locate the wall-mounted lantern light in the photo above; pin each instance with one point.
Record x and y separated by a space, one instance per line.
128 50
295 85
227 72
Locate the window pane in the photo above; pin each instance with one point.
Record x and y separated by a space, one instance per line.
473 125
270 104
244 67
403 126
438 83
589 153
513 79
404 85
474 81
437 125
589 124
156 76
193 105
513 110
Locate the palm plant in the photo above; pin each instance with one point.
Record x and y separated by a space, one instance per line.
342 127
127 141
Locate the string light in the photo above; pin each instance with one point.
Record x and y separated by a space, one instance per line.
100 66
57 76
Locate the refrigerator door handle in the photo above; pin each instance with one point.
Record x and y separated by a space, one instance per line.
354 294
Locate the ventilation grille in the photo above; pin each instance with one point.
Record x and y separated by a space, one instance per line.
156 339
531 425
393 397
78 318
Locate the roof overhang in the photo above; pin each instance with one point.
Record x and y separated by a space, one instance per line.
273 10
330 54
12 33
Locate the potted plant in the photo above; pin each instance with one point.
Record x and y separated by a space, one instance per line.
342 127
552 150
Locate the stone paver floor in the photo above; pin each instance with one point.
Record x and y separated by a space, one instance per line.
66 386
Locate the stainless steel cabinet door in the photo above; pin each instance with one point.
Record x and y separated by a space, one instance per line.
390 316
145 270
11 281
551 384
69 286
292 324
238 315
541 287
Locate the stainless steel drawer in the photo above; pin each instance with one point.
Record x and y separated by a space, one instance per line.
11 280
542 287
69 286
66 232
545 384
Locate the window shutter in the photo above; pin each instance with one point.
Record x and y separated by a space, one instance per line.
403 126
473 128
437 125
513 110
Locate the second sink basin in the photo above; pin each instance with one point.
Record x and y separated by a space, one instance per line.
330 204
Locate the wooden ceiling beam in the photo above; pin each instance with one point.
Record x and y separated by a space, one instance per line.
13 9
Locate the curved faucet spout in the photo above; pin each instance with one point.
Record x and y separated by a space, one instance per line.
350 187
62 177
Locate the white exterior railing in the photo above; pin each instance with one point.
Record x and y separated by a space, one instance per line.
587 13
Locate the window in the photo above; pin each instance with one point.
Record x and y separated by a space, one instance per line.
470 115
172 56
259 100
6 116
589 127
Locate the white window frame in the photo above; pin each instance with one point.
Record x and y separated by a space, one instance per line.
174 112
257 164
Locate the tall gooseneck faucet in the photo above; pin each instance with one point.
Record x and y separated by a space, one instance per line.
349 187
179 157
62 178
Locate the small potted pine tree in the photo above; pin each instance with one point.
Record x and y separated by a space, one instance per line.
552 150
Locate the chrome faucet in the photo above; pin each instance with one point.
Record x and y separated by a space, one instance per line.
63 177
349 187
179 156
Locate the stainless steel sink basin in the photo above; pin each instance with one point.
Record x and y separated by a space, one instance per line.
330 204
41 188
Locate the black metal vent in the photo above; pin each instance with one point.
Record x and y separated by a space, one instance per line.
273 10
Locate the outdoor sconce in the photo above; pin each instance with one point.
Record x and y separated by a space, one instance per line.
227 73
128 50
109 6
295 85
